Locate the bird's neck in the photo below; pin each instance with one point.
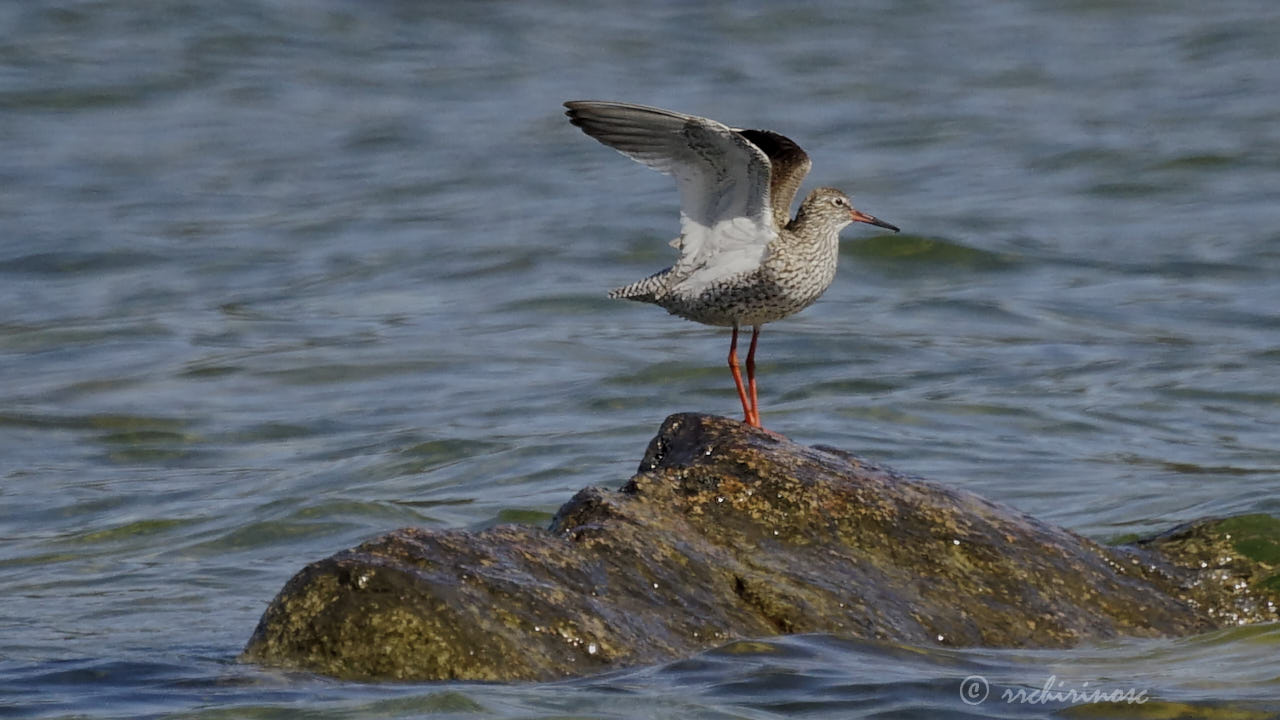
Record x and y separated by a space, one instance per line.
810 229
805 220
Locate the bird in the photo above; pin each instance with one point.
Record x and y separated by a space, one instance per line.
744 260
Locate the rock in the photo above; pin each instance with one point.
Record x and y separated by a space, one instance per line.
1225 568
728 532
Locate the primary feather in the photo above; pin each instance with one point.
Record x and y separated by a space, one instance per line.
727 215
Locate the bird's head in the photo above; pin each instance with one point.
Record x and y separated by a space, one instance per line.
833 208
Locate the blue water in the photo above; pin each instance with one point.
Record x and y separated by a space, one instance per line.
277 277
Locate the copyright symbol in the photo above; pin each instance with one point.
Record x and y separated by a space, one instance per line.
974 689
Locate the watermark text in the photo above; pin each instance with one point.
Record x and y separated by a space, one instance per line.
974 690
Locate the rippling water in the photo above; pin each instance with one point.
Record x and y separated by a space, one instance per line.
277 277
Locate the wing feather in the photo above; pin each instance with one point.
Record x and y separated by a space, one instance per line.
727 218
790 164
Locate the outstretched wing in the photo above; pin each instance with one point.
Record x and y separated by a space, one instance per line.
726 219
790 164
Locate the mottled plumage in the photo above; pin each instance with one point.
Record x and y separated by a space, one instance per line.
743 260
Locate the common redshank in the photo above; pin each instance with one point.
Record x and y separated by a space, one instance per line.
743 259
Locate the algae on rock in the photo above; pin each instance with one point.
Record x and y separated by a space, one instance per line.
731 532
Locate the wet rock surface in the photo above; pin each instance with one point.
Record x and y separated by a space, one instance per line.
731 532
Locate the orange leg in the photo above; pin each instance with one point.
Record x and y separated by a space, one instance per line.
737 377
751 377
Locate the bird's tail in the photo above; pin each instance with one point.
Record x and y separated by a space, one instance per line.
646 290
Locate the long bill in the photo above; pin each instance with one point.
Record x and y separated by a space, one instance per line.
859 216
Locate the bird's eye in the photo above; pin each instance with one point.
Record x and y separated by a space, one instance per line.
838 202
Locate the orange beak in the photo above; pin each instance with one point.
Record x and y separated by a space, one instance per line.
859 216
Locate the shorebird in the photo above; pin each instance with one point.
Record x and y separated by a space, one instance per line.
743 259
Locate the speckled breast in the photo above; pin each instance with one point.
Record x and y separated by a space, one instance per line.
754 298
